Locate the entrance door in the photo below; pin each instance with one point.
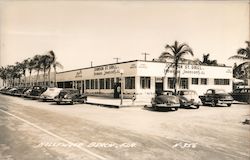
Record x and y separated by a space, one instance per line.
117 90
158 87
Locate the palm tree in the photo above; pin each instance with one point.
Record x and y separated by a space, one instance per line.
176 55
54 64
45 64
38 65
3 75
30 66
243 54
23 66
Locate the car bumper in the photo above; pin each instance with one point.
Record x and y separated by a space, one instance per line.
62 100
225 101
167 105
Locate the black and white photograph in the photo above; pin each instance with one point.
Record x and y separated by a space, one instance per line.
124 80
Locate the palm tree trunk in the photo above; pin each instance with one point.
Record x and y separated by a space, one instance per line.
55 83
44 79
49 76
30 78
37 77
175 78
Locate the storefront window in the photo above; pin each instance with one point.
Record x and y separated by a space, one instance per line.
194 80
101 83
107 83
221 81
171 83
184 83
96 83
145 82
129 82
92 84
87 84
112 83
204 81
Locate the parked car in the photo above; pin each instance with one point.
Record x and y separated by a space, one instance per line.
166 99
216 96
11 91
189 98
70 96
26 92
37 91
241 95
50 94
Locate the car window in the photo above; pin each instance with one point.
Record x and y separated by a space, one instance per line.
209 92
219 91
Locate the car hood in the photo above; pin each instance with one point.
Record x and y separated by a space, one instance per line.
190 98
166 99
51 93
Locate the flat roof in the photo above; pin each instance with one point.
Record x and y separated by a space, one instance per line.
130 62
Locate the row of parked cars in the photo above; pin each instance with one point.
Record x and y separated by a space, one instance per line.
190 98
44 93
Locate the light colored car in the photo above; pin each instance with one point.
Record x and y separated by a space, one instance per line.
189 99
50 94
166 99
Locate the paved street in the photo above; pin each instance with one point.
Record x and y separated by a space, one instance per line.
44 131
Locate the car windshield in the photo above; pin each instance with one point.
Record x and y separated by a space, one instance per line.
169 93
187 93
219 91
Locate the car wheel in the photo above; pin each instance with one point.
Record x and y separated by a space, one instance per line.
229 105
176 108
197 107
213 104
58 103
72 102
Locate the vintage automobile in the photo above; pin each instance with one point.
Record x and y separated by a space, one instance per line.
189 99
70 96
11 91
50 94
241 95
34 92
166 99
216 96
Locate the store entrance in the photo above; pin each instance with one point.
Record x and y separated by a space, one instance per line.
158 87
117 90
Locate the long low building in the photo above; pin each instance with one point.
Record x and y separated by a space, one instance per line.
144 78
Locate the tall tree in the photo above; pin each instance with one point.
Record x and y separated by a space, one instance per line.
30 66
243 54
176 53
53 63
38 65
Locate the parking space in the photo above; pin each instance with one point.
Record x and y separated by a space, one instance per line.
204 133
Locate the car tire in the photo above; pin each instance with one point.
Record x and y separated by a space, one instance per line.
58 103
176 109
213 103
156 108
229 105
197 107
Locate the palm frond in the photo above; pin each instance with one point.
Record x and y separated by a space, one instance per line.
239 57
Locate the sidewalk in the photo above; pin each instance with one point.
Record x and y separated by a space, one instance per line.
116 103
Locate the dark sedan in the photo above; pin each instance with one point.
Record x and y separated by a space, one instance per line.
165 99
70 96
241 95
216 96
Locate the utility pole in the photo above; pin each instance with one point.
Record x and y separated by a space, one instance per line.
91 63
117 59
145 56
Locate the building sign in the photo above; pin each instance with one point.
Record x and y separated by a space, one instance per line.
78 74
105 70
185 69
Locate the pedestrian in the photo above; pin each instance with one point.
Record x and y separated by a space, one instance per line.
133 99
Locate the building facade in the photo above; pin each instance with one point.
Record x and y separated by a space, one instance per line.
144 78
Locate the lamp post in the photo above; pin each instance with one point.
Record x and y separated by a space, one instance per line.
121 72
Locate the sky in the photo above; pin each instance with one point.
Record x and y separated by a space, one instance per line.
99 31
